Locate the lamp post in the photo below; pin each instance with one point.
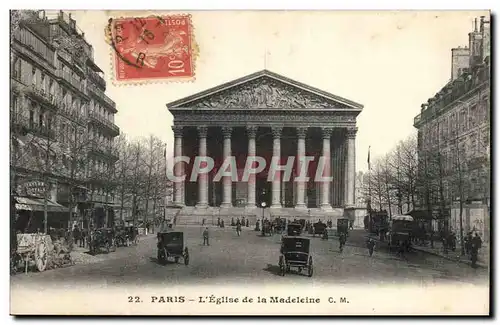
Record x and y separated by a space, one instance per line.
263 205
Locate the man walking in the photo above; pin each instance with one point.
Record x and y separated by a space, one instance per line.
205 237
476 245
371 245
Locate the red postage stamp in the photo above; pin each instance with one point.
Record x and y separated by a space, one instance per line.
152 48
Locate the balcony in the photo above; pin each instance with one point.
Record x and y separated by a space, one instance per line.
97 79
42 96
99 94
66 77
32 42
416 120
24 126
72 115
111 127
103 150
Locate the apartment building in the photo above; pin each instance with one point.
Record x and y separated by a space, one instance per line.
62 122
454 126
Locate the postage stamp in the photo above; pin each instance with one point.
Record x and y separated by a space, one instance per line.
152 49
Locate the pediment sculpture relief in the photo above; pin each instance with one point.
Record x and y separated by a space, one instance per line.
264 93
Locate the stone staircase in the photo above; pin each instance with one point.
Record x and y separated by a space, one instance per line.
194 216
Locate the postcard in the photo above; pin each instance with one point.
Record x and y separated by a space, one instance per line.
250 162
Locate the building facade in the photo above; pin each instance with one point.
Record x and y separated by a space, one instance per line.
266 115
62 122
454 128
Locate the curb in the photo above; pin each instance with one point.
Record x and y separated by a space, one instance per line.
446 257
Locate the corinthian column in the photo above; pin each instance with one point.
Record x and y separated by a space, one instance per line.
251 133
325 184
226 180
301 153
350 166
276 202
179 167
202 178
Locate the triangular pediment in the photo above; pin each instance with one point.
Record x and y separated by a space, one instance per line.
264 90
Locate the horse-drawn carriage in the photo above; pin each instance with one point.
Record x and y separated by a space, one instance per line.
267 228
126 235
319 228
102 238
295 253
171 245
294 229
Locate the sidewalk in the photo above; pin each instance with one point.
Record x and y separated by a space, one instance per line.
438 250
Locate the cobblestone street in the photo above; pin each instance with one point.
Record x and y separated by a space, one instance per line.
251 258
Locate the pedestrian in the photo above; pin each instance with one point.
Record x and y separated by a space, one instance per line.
371 245
238 228
82 238
205 237
203 222
248 224
76 235
342 241
468 242
476 245
218 222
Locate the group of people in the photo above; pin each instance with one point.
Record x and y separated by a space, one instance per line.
80 236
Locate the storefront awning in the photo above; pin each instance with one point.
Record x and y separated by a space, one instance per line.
37 204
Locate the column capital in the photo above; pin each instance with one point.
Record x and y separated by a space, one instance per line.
326 132
252 131
301 132
276 131
202 131
226 131
351 132
177 130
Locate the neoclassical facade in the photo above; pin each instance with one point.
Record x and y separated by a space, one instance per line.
273 117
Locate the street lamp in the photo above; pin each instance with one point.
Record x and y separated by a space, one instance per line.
263 205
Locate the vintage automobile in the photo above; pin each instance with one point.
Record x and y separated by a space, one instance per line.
102 238
400 228
342 226
319 228
171 245
294 229
295 253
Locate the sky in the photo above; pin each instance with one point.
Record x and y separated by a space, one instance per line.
390 62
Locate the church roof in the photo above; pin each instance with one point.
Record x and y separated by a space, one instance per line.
316 97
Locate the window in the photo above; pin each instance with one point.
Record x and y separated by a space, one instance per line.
473 144
52 89
13 109
17 68
33 76
485 138
32 119
40 120
473 116
463 120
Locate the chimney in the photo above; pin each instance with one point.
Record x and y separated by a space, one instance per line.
475 46
459 61
484 29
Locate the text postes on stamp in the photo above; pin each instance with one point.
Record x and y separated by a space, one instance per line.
152 48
